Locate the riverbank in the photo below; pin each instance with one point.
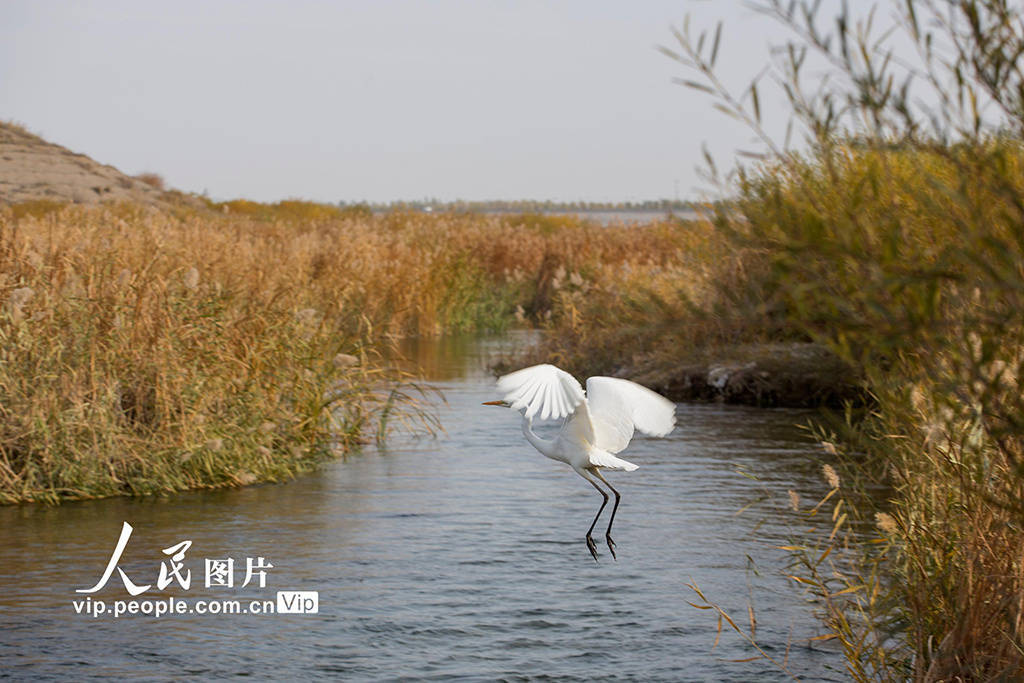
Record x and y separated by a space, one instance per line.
764 375
791 375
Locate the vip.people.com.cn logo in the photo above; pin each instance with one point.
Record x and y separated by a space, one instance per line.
219 573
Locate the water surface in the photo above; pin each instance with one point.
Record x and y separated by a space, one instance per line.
459 557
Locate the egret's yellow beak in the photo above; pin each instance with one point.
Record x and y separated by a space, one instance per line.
503 404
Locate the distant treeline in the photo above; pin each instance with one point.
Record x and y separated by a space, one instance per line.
526 205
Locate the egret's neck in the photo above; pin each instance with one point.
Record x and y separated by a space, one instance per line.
545 446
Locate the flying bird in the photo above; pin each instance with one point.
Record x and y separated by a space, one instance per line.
598 424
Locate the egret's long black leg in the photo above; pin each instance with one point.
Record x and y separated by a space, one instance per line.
608 533
591 546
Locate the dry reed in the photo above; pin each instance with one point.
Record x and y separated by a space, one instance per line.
149 350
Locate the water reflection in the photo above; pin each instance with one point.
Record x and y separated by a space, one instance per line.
460 356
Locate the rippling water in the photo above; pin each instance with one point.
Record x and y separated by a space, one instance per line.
460 557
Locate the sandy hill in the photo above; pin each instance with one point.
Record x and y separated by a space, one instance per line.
32 168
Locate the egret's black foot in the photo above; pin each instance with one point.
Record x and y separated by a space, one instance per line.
592 547
611 546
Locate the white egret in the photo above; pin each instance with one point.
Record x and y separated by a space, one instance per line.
597 424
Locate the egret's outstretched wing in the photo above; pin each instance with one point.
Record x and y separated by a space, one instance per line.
617 406
542 389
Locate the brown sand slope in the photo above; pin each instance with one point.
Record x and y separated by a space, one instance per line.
32 168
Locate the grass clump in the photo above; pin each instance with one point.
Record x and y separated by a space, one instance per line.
144 354
703 292
290 210
154 180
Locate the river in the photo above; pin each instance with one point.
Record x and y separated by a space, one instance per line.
455 557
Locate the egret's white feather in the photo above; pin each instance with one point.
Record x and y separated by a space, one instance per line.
618 406
542 389
608 461
579 428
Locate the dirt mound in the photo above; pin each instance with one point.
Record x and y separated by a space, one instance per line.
784 374
32 168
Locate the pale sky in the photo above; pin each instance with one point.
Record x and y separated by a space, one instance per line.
379 100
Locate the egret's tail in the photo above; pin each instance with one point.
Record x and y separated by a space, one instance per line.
610 462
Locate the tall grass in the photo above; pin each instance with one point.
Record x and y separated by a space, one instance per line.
146 350
704 296
896 240
910 262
